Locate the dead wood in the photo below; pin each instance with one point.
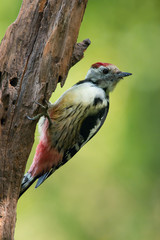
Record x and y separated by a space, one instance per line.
35 54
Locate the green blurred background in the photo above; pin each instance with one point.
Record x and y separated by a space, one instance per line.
111 189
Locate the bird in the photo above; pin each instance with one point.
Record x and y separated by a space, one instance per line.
68 124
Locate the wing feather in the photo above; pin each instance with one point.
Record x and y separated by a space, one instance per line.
72 126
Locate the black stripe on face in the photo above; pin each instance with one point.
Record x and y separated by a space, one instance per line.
97 101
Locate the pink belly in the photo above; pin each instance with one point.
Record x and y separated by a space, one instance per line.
44 159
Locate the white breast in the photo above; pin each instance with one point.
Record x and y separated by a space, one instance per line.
84 93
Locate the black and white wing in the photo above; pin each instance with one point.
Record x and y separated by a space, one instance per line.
76 118
89 127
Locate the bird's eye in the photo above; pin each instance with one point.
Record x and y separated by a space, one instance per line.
105 70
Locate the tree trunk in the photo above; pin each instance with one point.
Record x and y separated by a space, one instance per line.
36 53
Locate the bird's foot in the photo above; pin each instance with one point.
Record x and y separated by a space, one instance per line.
44 113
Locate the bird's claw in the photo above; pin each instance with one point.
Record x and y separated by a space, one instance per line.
36 117
41 105
45 113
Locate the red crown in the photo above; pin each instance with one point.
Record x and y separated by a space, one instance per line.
98 64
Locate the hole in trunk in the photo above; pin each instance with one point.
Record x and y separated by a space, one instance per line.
14 82
3 120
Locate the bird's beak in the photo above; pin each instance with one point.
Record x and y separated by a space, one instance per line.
123 74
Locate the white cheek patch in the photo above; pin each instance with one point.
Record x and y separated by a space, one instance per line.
90 74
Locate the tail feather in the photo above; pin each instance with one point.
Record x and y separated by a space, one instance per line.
27 181
44 177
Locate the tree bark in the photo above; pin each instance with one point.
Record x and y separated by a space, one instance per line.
36 53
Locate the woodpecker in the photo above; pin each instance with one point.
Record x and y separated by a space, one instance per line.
68 124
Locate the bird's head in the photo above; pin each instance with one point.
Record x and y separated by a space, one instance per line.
105 75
